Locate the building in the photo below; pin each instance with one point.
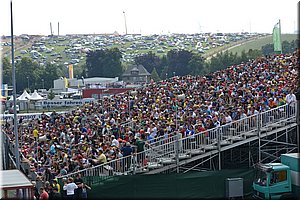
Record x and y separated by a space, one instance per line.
98 93
136 74
62 84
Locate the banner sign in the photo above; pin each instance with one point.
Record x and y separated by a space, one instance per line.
65 102
25 116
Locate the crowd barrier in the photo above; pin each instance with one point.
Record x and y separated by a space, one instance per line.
164 151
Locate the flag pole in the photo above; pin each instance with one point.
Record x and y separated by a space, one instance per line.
14 91
280 36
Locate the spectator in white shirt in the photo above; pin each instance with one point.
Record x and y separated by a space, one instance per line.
114 141
290 98
70 186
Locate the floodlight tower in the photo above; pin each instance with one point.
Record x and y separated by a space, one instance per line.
125 22
51 33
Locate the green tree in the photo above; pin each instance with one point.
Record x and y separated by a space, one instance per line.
154 75
196 64
164 67
6 71
149 61
178 61
51 95
27 73
104 63
267 49
49 73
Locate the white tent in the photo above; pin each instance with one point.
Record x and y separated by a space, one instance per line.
35 96
24 97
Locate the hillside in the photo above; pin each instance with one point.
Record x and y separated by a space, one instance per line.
71 49
258 43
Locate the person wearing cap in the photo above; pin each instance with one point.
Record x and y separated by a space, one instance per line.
114 141
56 185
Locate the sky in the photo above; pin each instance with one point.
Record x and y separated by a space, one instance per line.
145 17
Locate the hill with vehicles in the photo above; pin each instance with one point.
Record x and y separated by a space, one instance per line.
71 49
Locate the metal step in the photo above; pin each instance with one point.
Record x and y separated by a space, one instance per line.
276 125
236 138
141 170
196 151
225 142
182 156
250 134
210 147
154 165
166 161
265 129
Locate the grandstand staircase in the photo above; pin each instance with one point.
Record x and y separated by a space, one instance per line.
205 151
168 154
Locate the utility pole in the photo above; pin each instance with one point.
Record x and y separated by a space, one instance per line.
14 91
125 22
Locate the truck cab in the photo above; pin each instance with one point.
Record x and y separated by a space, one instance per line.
278 180
272 181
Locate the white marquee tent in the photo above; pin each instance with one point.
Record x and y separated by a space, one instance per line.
24 97
35 96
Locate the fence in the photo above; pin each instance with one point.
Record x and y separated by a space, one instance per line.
164 151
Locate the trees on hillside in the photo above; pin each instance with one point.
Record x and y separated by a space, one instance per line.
107 63
154 75
104 63
287 47
149 61
6 71
226 59
178 62
30 75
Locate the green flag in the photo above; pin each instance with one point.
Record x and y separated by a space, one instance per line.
277 38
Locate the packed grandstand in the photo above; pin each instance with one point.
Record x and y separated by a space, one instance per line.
124 124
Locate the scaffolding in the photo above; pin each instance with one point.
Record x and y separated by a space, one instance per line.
258 138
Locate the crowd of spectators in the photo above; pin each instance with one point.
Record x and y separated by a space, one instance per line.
95 133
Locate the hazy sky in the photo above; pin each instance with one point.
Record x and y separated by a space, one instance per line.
147 16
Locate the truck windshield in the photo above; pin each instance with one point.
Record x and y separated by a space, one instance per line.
260 177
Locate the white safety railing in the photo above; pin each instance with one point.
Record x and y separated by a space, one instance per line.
162 151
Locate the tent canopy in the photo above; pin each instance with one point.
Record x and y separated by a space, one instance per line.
24 97
35 96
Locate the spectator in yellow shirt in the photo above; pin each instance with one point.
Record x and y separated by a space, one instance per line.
35 134
102 157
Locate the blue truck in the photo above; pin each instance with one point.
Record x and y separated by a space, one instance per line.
278 180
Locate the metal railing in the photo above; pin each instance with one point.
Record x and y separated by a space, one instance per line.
163 151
